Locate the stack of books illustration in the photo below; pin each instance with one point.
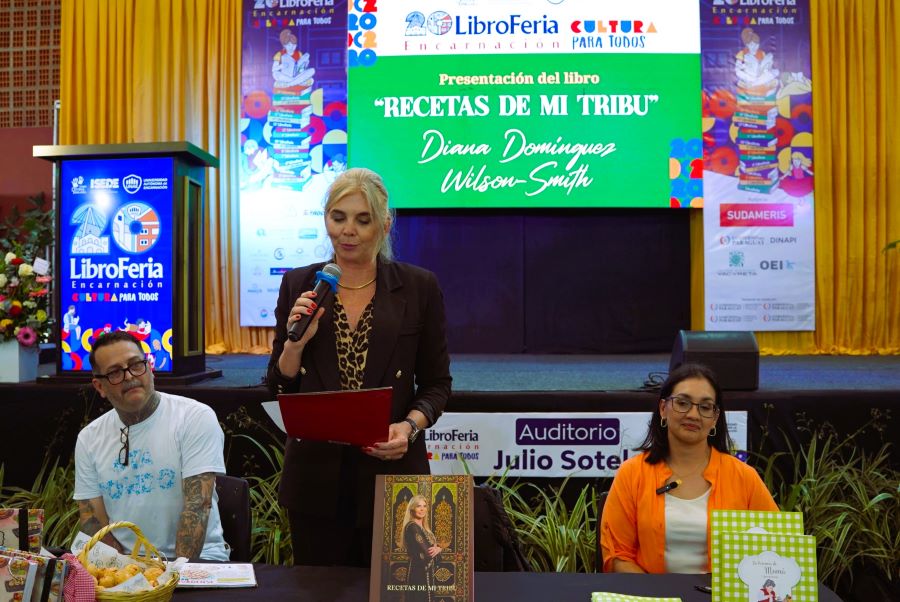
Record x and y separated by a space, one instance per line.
289 120
755 117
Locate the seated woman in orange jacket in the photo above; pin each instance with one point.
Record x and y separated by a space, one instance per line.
650 525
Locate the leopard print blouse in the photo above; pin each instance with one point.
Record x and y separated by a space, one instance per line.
352 345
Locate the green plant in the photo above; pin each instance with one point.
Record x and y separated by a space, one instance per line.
32 229
52 491
270 537
850 500
555 537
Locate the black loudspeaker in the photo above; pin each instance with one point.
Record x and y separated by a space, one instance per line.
733 356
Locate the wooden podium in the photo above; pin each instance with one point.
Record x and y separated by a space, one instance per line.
129 254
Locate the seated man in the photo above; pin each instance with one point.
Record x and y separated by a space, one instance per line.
151 461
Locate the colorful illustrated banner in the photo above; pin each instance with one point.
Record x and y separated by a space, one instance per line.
529 104
758 216
544 444
115 249
293 138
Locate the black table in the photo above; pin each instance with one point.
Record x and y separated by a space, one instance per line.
338 584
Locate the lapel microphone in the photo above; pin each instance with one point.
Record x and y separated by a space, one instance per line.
669 487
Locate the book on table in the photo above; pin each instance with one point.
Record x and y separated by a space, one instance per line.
423 539
760 556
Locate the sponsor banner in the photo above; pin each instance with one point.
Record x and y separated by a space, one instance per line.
759 235
293 138
115 249
529 104
544 444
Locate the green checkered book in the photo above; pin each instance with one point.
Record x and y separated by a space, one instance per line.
608 597
755 566
741 521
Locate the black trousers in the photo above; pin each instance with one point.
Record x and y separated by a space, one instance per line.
338 541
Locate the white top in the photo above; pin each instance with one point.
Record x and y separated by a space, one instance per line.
686 534
181 439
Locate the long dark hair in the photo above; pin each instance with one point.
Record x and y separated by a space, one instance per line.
657 441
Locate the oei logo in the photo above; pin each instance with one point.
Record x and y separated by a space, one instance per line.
132 183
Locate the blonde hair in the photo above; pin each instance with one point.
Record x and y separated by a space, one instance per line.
371 186
804 160
407 518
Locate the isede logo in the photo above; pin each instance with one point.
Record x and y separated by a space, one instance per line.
136 227
132 183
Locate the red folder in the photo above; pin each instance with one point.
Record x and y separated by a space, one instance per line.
353 417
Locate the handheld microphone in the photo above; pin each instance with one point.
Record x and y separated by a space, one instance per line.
669 487
326 285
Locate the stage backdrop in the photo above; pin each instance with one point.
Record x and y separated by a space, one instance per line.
758 179
585 76
293 137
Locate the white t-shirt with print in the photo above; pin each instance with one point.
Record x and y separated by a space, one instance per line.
181 439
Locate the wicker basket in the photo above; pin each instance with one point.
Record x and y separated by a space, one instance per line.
161 593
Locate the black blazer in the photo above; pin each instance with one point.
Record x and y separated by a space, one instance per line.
407 351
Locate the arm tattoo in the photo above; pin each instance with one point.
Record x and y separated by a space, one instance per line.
92 517
198 494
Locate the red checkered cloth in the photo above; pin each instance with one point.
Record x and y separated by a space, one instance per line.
80 586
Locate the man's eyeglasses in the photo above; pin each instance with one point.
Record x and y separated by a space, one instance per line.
116 376
123 453
707 409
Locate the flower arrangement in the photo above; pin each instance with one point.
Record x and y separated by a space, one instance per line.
24 299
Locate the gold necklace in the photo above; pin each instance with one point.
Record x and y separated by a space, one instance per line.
356 288
695 470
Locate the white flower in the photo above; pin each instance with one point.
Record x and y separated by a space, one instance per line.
3 280
10 256
25 269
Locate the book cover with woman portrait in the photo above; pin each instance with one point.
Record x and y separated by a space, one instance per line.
423 540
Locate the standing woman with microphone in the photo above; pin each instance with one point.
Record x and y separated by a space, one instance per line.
384 327
657 516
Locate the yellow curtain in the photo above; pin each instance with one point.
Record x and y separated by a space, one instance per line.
856 153
159 70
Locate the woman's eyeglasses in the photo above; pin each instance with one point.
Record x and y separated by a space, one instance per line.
707 409
116 376
123 453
